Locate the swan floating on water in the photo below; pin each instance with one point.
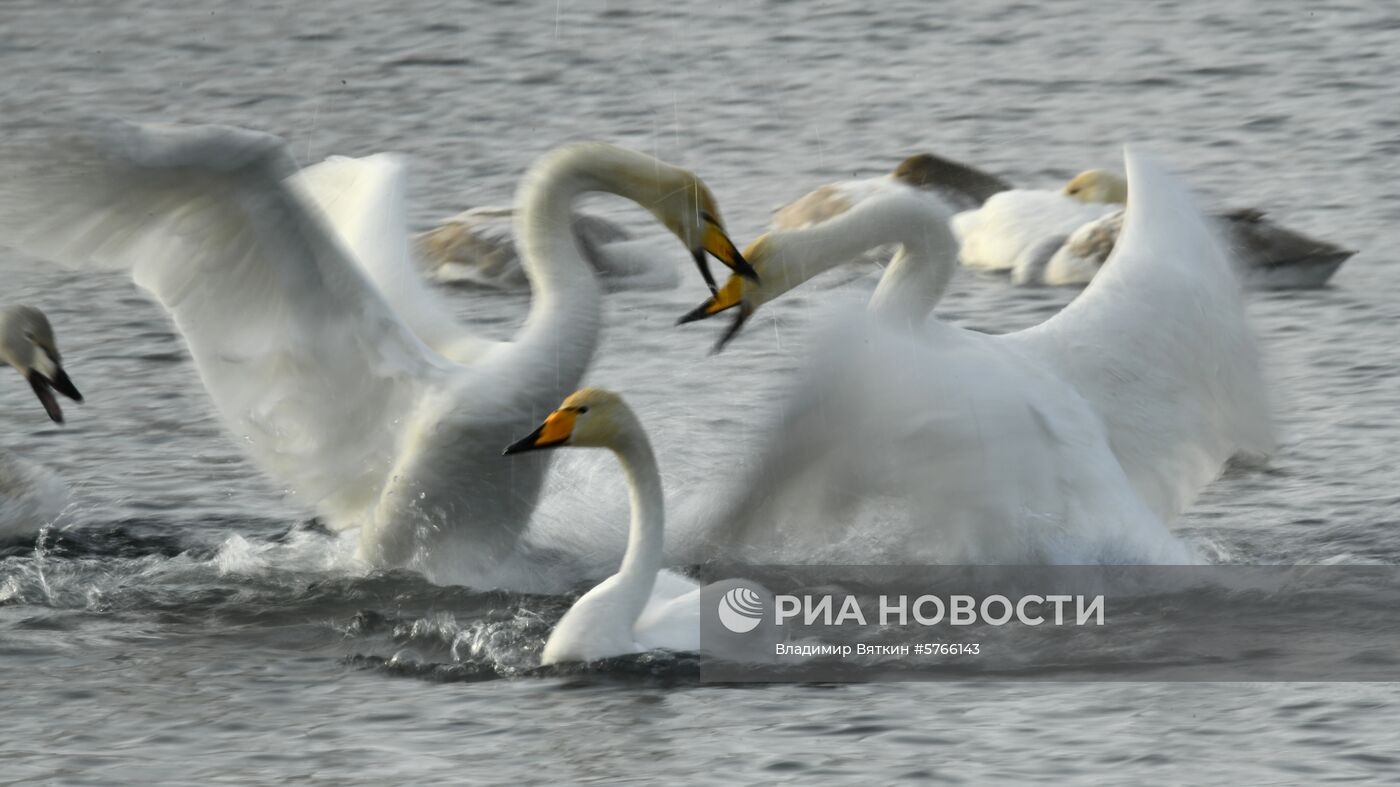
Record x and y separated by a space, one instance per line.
1077 440
1063 238
327 357
477 247
31 496
641 607
955 184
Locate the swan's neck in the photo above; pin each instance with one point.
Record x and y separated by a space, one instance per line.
646 535
919 273
561 331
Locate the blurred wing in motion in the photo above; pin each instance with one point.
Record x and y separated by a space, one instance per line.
308 366
364 200
1159 345
942 448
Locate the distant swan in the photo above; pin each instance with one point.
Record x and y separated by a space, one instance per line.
477 247
1076 440
954 184
327 357
641 607
30 496
1268 256
1063 238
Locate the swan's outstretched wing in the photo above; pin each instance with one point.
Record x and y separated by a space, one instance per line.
364 201
307 365
938 446
1159 345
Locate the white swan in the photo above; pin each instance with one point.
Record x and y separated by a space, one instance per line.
955 184
334 367
641 607
1075 440
477 247
1266 255
31 496
1016 230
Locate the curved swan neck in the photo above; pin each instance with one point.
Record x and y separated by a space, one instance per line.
917 276
561 331
647 532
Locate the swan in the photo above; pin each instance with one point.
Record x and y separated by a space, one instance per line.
477 247
1014 230
641 607
1268 255
954 183
327 358
1076 440
31 496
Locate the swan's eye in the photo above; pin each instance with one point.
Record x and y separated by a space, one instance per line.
707 217
1074 190
582 410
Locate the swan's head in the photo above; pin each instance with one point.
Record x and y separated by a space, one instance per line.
689 210
1098 185
765 254
589 418
27 344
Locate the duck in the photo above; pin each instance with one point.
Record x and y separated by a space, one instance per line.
642 607
31 496
326 356
477 248
1076 440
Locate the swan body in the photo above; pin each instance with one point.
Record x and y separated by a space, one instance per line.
641 607
1268 256
1014 228
31 496
477 247
948 181
1077 440
328 360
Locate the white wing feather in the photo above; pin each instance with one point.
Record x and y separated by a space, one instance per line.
364 200
1160 346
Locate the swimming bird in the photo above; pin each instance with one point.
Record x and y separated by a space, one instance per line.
477 247
1017 230
31 496
955 184
1267 255
642 607
327 358
1076 440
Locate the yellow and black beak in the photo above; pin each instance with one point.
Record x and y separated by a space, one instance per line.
728 297
718 244
554 432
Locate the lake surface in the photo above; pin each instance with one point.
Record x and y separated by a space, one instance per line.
180 625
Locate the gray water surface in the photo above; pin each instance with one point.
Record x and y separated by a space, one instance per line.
179 625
